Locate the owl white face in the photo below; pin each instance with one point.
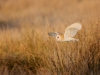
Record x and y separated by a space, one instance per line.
58 38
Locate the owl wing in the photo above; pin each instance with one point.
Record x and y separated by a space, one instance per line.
71 30
53 34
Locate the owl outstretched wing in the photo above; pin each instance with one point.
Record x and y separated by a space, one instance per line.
71 30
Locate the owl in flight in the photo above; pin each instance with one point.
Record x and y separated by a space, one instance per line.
70 32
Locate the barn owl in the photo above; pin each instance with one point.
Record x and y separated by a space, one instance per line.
70 32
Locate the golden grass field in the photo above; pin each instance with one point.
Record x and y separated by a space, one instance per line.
26 48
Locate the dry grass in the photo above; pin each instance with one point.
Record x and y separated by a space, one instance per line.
26 48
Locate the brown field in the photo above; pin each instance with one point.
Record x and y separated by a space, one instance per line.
26 48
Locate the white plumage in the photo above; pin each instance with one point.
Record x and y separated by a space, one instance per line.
72 29
70 32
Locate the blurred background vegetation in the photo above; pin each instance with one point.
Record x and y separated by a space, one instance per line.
36 12
26 48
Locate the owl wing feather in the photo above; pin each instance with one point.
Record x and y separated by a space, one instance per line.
53 34
71 30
